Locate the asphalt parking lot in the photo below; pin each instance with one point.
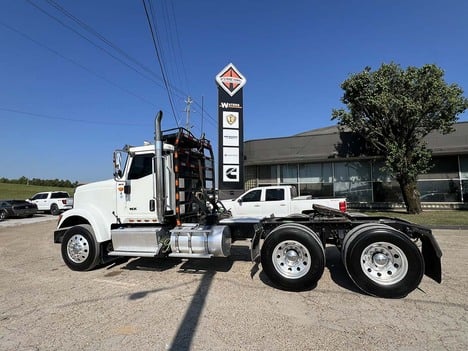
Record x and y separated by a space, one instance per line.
217 304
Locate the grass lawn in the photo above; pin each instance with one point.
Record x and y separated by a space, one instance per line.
22 192
430 218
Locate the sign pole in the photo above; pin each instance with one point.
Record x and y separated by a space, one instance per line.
230 128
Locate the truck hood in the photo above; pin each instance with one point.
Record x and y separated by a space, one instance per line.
227 202
105 189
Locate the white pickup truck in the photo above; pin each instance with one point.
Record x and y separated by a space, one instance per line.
277 201
54 202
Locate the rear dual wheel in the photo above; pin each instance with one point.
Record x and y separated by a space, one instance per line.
382 261
293 257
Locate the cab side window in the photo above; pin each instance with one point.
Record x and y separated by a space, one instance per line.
274 195
252 196
39 196
59 195
142 165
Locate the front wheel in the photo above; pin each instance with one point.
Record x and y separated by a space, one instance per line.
293 257
382 261
3 215
79 249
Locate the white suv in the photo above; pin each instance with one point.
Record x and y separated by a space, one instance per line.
54 202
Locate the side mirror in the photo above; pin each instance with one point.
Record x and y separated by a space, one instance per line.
239 200
118 165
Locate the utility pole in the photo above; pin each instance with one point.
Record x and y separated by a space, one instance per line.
187 110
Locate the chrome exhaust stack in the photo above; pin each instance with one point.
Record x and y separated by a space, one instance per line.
158 168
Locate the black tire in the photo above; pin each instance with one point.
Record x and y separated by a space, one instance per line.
293 257
3 215
355 232
382 261
54 210
79 249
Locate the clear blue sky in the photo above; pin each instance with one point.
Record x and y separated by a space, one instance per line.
66 104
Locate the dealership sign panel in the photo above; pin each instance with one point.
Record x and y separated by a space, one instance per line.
231 128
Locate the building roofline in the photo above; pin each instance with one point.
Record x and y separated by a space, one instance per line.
333 144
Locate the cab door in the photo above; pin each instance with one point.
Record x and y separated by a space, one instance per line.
40 200
135 196
249 204
275 202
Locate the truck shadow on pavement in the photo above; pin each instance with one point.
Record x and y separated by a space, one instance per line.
334 265
207 270
338 271
214 264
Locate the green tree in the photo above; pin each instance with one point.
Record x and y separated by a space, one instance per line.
393 109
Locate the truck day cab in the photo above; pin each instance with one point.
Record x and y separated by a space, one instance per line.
161 204
277 201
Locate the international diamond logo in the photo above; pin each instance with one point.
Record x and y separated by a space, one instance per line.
230 79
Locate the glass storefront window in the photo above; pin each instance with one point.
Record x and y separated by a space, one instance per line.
267 174
443 168
317 189
464 167
250 177
288 174
439 190
352 180
315 173
364 181
387 192
354 191
357 171
378 175
465 190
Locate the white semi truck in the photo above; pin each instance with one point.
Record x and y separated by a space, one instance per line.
161 204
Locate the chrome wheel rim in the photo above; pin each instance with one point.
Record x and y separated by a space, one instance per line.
78 248
291 259
384 263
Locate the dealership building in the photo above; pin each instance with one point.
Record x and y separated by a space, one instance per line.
328 162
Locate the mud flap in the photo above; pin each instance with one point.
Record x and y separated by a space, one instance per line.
255 244
432 254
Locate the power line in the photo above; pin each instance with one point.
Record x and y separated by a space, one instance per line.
102 38
161 64
176 30
44 116
180 93
159 81
171 33
76 63
93 32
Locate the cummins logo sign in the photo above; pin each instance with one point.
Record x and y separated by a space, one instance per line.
230 173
